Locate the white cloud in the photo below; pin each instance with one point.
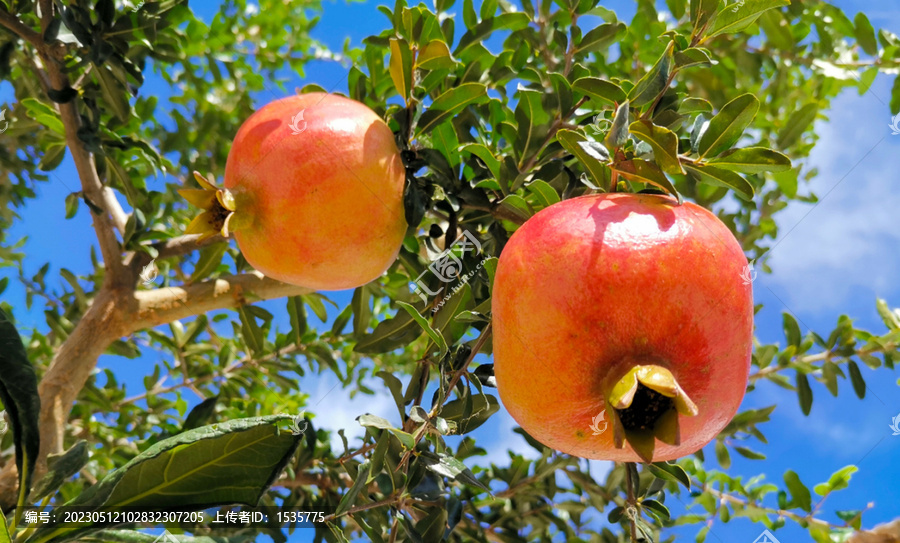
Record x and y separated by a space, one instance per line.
848 242
334 409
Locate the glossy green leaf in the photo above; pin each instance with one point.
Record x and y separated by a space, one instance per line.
451 103
599 89
210 258
702 11
571 142
654 82
435 55
60 468
401 67
618 132
865 34
692 57
799 493
730 21
791 329
601 37
435 336
664 143
722 178
647 172
19 393
237 461
804 393
726 128
798 122
349 498
752 160
856 378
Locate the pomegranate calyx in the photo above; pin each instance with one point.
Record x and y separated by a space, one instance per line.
644 405
220 215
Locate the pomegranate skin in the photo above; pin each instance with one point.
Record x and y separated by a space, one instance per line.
322 194
591 285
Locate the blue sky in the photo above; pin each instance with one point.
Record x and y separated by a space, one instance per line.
832 258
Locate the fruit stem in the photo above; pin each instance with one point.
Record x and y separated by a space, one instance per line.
644 405
631 502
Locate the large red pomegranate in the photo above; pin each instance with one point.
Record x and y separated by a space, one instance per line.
622 327
313 193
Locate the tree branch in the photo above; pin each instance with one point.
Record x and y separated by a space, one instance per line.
14 25
159 306
115 313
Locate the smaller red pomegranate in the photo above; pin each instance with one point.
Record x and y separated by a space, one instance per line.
313 193
622 327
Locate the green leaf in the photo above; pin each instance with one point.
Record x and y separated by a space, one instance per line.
435 55
804 393
44 114
601 37
722 455
250 330
891 319
796 125
702 11
791 329
114 94
210 258
5 534
692 56
865 34
19 394
657 509
859 384
599 89
571 142
799 493
401 67
390 334
671 472
749 453
451 103
752 160
533 122
477 33
435 336
839 480
347 501
654 82
694 105
449 466
544 194
618 132
233 462
829 373
722 178
734 20
470 412
60 468
726 127
647 172
374 421
664 143
895 97
297 315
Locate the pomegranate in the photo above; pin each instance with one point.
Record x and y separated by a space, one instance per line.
622 327
313 193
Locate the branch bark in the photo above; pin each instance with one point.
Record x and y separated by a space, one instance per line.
119 312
